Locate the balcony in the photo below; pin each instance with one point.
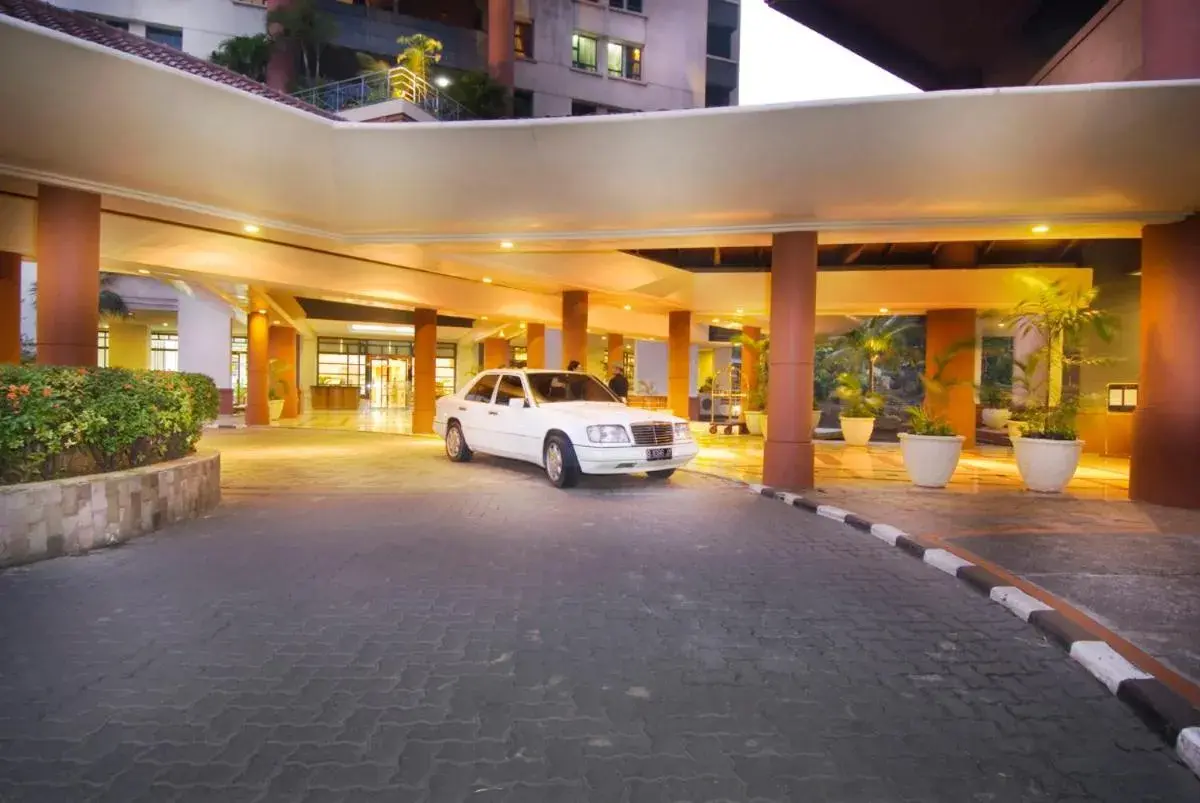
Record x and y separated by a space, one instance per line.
398 83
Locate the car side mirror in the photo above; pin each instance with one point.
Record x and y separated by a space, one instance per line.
516 403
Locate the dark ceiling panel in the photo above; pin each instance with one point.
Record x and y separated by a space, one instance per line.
361 313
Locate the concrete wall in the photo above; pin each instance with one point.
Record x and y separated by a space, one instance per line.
68 517
204 337
1113 265
650 365
673 63
205 23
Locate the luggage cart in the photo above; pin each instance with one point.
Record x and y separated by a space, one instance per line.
723 391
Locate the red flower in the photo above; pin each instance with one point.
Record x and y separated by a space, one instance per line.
46 392
127 387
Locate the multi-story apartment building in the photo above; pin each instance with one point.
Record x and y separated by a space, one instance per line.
565 56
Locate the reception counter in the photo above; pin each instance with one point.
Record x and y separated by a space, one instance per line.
335 397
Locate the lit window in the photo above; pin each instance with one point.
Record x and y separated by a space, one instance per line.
626 5
164 352
165 36
583 52
523 40
102 348
624 61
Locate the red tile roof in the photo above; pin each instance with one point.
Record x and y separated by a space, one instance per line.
81 26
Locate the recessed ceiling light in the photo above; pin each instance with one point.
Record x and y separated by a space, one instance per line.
716 320
506 244
604 337
377 327
143 271
262 312
883 309
739 311
522 326
487 279
1000 325
250 228
484 318
275 323
1040 228
164 323
628 307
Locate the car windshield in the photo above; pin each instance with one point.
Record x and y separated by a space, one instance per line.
550 388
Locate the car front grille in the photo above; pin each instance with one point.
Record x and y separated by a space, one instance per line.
653 434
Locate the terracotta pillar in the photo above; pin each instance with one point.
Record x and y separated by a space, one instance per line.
574 327
281 69
424 370
947 329
1164 466
535 345
679 362
750 366
616 352
10 307
496 353
281 347
1170 31
788 454
258 372
500 41
68 276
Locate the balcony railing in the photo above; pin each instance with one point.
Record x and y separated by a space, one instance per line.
398 83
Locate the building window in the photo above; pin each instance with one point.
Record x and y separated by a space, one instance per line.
583 52
523 40
102 348
522 103
164 352
626 5
624 61
172 37
346 361
581 108
238 369
120 25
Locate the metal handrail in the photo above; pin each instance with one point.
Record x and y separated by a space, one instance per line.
398 83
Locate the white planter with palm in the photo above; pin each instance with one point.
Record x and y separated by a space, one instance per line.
754 421
994 401
931 451
1047 466
816 418
860 408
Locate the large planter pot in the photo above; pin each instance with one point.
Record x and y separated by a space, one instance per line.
1047 466
276 406
1015 430
816 419
857 431
754 421
995 418
930 460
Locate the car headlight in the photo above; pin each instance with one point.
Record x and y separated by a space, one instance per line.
607 433
683 432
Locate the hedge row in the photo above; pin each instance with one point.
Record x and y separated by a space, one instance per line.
57 422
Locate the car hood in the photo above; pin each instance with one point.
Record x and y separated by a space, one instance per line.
609 413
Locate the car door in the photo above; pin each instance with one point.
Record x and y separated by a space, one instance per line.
477 426
512 424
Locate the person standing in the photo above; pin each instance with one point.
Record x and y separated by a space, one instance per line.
619 385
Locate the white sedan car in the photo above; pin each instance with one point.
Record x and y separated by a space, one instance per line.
569 423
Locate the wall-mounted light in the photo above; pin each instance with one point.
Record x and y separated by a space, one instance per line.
379 327
250 228
442 81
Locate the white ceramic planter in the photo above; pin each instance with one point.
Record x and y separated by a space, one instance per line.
995 418
816 419
1015 430
857 431
1047 466
276 406
754 421
930 460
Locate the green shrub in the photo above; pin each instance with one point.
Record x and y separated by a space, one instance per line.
57 421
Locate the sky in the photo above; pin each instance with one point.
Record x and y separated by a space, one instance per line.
784 62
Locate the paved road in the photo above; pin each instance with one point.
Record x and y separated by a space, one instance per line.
377 624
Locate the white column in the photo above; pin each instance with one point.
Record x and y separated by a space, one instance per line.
308 371
204 337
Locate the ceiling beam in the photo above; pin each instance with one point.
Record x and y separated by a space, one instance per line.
855 252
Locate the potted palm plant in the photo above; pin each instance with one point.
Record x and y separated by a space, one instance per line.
1048 448
860 408
280 386
756 403
932 449
995 399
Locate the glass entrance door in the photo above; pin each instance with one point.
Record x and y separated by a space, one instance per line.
389 382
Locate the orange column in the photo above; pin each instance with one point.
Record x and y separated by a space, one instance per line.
495 353
616 352
1164 466
750 365
500 41
258 372
281 349
679 362
68 276
574 327
535 345
788 454
10 307
424 370
947 329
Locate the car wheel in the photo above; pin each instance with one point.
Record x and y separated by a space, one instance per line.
456 445
562 469
663 474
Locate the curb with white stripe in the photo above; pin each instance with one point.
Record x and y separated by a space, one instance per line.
1164 711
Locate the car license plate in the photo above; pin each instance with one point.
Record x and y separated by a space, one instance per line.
658 454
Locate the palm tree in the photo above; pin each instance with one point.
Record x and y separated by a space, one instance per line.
418 53
301 25
111 303
874 343
481 95
244 55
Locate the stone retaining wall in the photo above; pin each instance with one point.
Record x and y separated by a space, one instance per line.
71 516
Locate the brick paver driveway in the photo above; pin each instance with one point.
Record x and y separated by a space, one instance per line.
364 621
